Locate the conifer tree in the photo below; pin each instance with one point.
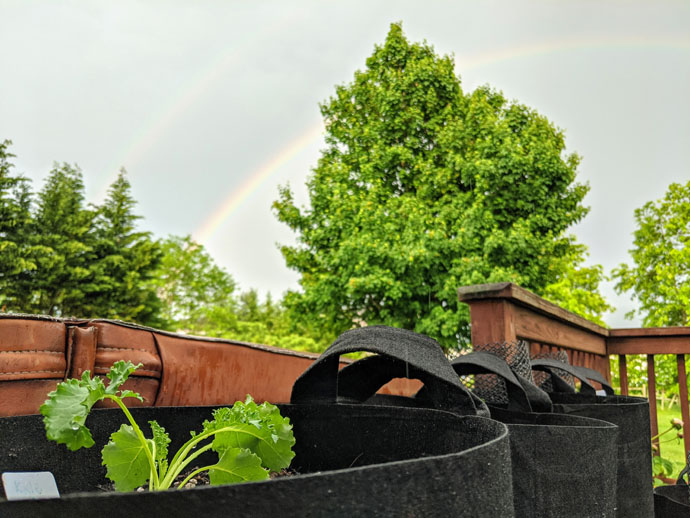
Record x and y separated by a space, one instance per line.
62 230
16 257
125 260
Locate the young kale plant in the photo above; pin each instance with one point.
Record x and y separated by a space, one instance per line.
251 440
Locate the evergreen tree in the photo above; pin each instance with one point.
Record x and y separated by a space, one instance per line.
61 229
124 261
15 202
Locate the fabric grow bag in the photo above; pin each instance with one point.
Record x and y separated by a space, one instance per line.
630 414
674 501
419 463
562 465
419 357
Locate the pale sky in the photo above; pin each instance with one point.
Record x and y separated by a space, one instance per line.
210 106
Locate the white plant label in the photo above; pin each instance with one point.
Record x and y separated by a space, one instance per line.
29 485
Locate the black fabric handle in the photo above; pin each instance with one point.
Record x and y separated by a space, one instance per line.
548 365
359 381
520 391
422 356
598 377
539 400
684 473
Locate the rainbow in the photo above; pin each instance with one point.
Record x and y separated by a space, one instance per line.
473 61
160 120
254 181
463 63
163 119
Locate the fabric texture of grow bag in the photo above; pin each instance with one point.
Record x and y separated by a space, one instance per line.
422 357
562 465
353 460
416 357
672 501
630 414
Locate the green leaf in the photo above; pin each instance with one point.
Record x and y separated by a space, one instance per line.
662 466
237 465
130 393
161 439
65 411
259 428
118 374
125 459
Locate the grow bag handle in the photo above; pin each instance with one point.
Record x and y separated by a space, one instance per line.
685 472
581 373
523 396
405 353
596 376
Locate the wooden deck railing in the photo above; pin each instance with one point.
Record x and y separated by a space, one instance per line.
505 312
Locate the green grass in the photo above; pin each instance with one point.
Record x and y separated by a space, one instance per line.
673 450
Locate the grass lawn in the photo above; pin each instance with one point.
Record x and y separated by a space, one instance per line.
672 450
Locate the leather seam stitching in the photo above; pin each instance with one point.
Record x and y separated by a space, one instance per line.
30 372
140 372
124 349
32 351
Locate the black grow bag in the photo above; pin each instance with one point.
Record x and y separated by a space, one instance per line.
563 466
419 357
630 414
353 460
672 501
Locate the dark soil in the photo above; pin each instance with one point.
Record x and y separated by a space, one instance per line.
201 479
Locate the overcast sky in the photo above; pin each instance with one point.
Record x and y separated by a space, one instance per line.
211 105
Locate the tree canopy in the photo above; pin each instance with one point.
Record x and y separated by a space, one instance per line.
196 294
199 297
659 277
60 257
69 259
423 188
125 260
15 252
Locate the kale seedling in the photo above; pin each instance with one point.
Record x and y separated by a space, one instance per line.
250 439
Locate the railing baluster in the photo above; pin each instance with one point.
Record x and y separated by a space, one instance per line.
651 383
534 349
623 371
684 404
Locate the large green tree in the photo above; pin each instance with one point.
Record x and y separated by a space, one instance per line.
423 188
659 277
